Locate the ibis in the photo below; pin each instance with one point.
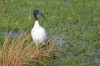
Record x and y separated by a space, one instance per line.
38 33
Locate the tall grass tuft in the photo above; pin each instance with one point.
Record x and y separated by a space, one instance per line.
21 50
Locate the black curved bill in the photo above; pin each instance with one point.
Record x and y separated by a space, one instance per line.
43 16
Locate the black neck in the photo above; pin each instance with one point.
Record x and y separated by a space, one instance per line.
35 16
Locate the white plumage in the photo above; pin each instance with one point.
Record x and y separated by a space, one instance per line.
38 33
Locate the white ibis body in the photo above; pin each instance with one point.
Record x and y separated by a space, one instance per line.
38 33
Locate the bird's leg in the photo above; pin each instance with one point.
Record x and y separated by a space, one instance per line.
42 45
45 44
38 47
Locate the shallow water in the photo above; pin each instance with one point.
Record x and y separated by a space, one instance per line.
53 40
97 59
13 34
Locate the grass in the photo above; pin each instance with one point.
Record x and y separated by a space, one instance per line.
75 21
19 51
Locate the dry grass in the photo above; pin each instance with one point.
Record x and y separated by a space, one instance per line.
20 50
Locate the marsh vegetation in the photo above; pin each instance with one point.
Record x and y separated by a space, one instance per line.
73 27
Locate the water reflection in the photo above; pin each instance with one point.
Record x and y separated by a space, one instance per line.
13 34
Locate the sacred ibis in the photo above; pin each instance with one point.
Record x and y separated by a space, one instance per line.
38 33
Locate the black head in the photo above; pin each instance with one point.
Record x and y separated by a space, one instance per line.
36 13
